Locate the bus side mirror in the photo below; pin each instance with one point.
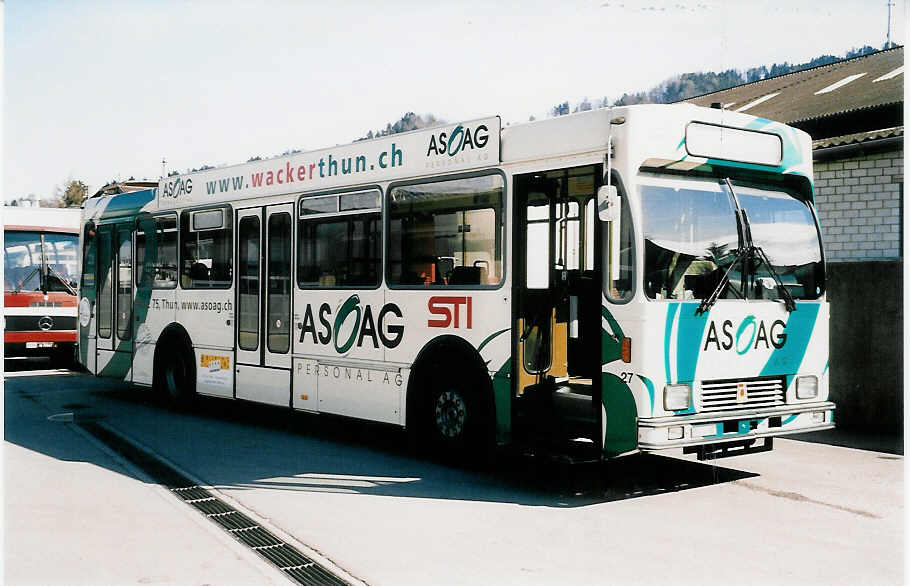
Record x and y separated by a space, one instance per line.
607 203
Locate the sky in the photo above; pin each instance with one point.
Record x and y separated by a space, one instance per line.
98 91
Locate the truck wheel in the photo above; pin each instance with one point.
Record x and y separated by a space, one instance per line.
64 358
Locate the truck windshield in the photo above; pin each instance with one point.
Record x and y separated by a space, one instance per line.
23 269
691 239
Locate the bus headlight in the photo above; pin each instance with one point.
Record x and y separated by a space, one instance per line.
806 387
677 397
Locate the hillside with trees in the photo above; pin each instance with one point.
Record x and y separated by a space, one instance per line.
409 121
688 85
675 89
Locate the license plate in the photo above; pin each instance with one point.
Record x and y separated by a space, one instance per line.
31 345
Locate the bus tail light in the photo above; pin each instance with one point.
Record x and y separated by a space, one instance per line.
626 350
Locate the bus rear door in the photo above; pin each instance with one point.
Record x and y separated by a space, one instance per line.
263 317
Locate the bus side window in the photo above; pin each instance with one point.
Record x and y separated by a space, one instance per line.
340 240
205 251
447 232
156 252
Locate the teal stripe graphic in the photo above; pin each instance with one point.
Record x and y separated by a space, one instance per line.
126 204
650 386
799 329
688 341
490 339
671 313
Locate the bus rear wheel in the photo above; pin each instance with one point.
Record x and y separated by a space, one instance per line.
175 374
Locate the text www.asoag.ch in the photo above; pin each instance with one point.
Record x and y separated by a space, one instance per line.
216 306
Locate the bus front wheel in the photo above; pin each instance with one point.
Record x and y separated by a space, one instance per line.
455 418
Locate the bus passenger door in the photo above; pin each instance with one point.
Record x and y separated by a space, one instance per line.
88 304
263 316
541 345
557 304
115 301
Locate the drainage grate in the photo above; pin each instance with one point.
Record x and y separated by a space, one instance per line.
285 557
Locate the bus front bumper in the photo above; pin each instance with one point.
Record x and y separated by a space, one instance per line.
678 431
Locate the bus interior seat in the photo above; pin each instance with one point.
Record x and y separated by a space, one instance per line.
465 276
411 278
444 266
199 272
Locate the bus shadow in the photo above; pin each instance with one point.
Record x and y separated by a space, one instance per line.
856 438
629 477
244 446
374 459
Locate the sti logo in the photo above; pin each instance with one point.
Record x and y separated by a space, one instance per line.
449 310
461 139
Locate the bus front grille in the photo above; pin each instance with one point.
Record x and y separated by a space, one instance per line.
729 395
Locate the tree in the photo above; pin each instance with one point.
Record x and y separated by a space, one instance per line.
583 106
560 109
71 196
410 121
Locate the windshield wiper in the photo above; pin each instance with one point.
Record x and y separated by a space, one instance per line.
27 278
707 302
789 302
749 251
62 279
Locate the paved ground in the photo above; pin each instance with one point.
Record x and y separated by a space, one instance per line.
75 513
806 513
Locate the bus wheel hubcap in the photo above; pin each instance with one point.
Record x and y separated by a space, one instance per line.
450 414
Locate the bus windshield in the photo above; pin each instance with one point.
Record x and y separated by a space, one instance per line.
24 269
691 240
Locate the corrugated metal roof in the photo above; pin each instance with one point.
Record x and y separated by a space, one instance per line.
857 137
854 84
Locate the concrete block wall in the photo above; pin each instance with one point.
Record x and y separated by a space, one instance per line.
866 344
859 206
859 203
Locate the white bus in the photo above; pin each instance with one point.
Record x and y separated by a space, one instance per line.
620 280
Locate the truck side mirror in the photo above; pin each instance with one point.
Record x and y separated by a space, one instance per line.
607 203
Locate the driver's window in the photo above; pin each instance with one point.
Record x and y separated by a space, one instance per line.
619 256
